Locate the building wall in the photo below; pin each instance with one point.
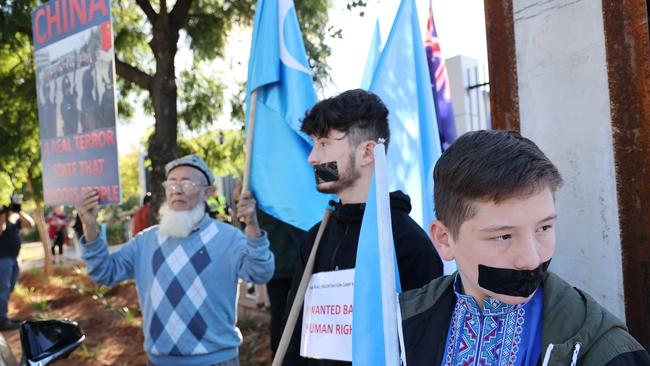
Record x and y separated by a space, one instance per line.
471 108
564 108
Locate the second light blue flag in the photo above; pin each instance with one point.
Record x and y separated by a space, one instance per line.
402 81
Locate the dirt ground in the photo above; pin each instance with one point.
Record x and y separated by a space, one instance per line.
110 317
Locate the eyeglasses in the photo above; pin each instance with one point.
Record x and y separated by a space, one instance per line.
182 186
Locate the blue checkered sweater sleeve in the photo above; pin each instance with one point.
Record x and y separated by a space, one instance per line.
108 269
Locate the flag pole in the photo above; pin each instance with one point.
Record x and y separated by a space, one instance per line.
287 333
249 141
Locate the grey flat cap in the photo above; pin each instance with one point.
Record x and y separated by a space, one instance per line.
195 162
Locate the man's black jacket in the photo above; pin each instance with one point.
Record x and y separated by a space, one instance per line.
417 260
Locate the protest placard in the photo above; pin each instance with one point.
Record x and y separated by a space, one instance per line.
75 78
327 316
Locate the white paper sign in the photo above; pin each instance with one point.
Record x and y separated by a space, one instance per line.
327 316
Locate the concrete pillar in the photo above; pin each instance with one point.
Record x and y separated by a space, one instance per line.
582 93
564 108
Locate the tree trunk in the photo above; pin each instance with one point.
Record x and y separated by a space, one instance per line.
42 232
163 146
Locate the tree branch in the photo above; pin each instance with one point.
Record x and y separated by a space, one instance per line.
145 5
179 13
133 74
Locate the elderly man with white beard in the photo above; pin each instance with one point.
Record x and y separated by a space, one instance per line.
185 269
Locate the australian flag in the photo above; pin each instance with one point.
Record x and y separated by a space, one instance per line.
439 85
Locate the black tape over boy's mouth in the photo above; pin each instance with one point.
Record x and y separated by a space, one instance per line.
512 282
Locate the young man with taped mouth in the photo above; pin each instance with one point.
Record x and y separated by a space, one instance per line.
345 129
495 204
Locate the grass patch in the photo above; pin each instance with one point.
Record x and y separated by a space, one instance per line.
246 323
31 296
81 270
42 316
253 345
36 272
40 305
25 292
87 354
130 317
59 281
100 291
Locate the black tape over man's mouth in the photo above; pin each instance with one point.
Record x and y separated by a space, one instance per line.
326 172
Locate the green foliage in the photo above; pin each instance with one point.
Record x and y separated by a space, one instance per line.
29 235
87 354
312 16
32 296
24 292
210 21
100 292
130 316
129 175
59 281
202 98
115 233
225 158
19 131
41 305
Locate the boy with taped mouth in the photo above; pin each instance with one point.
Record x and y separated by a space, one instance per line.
495 204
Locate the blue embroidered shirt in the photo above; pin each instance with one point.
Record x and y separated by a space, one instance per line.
187 287
500 334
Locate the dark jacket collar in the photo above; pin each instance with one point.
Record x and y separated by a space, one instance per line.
354 211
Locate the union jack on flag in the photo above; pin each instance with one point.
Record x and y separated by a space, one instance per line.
439 85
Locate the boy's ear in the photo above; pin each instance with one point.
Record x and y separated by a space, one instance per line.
441 237
368 152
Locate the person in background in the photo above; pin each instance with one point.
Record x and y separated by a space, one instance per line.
217 207
141 216
12 220
57 222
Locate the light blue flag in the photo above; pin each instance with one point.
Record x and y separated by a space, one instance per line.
281 179
373 57
375 322
402 81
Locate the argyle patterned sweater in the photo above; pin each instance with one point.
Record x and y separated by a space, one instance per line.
187 287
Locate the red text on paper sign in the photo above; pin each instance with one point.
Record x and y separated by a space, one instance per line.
107 193
334 309
62 16
328 328
81 142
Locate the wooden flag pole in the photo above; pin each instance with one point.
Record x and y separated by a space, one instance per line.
296 307
249 141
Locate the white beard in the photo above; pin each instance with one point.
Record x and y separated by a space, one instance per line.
179 224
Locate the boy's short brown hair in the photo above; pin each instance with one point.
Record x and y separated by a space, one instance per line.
488 166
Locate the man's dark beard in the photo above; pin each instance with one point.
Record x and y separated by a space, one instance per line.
346 180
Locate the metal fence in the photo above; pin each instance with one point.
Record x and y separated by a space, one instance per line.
478 95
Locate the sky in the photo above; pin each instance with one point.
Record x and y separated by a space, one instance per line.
460 25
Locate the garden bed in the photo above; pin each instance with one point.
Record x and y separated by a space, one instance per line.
109 316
